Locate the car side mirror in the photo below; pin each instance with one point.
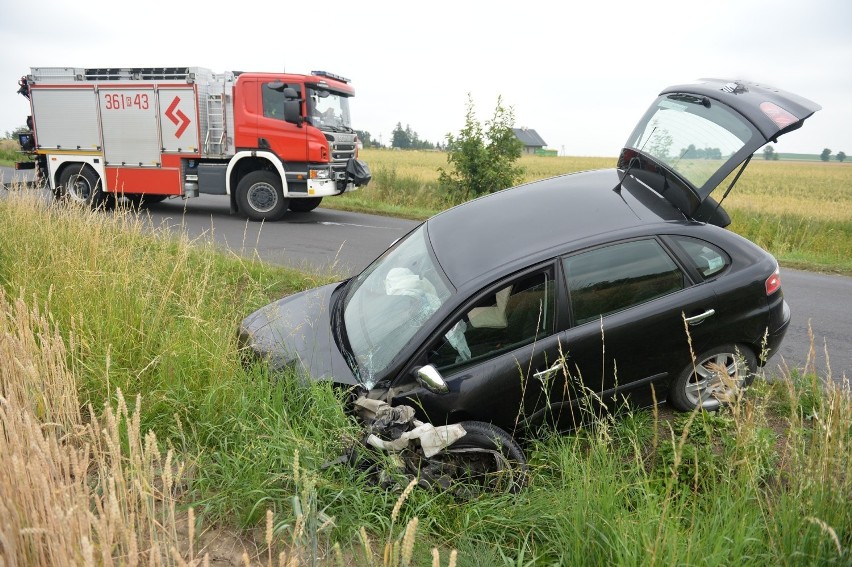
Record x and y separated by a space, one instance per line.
429 377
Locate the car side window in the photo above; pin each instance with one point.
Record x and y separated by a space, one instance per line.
518 313
707 258
610 279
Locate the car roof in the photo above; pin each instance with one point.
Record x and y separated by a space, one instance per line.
503 231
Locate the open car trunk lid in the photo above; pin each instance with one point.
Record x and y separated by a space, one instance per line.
693 136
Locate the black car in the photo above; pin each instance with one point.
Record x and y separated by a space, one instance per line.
614 285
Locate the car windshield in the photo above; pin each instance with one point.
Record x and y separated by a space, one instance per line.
691 135
329 110
388 302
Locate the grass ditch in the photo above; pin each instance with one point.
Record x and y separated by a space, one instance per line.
133 434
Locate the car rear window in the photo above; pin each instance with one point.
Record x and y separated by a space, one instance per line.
708 259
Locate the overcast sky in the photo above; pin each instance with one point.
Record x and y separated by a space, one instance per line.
579 73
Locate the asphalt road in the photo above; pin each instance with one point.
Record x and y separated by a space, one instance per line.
324 240
342 243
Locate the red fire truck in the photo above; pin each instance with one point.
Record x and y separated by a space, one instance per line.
269 141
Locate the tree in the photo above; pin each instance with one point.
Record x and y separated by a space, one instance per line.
841 156
482 158
413 139
825 155
399 137
13 135
364 137
769 153
408 139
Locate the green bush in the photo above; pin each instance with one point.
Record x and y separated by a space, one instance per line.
482 160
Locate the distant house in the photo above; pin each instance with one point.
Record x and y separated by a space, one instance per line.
530 139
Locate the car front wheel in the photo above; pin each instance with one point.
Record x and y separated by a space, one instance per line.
715 378
486 458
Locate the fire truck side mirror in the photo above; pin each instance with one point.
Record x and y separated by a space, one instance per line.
292 107
292 112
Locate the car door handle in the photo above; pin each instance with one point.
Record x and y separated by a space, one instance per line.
696 319
543 375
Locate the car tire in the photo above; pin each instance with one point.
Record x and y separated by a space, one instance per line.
81 184
305 205
260 196
489 457
703 385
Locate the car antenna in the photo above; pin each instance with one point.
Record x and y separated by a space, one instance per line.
733 182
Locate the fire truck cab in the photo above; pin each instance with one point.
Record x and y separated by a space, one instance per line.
271 142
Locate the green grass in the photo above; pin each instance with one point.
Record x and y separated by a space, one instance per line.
9 153
802 157
820 245
766 482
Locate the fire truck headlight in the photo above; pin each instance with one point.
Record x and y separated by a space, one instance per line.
319 174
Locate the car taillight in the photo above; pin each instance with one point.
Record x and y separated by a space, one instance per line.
781 117
773 282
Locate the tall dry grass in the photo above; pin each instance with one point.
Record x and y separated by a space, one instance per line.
98 491
74 491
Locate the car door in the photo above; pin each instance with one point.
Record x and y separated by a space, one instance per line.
491 354
628 303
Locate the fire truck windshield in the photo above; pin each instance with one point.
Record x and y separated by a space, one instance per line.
329 110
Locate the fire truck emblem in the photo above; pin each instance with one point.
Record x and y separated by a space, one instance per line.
178 118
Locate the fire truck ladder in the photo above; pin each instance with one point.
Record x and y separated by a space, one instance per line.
214 141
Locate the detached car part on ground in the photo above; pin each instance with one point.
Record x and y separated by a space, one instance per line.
616 286
466 457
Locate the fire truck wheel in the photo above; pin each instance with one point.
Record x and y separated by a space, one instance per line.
260 197
82 185
304 205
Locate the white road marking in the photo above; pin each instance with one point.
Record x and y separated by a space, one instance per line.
328 223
